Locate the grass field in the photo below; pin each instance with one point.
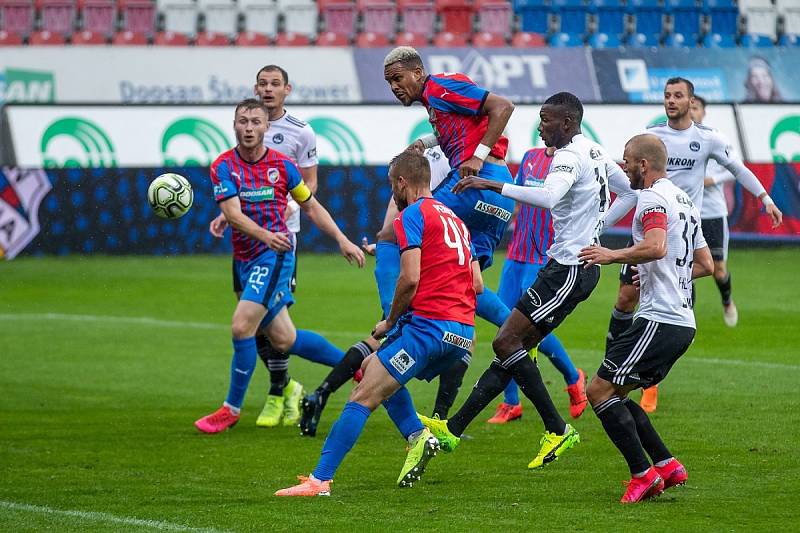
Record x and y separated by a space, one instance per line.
106 362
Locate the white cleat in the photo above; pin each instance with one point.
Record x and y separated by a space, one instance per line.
730 315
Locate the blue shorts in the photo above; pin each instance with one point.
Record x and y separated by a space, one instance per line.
423 348
515 280
266 280
485 213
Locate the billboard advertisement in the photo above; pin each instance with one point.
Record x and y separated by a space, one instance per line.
771 133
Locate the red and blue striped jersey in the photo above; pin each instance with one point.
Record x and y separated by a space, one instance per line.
454 106
262 187
445 290
533 229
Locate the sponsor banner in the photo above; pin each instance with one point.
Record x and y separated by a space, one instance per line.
137 75
730 75
771 133
21 192
131 136
747 218
524 76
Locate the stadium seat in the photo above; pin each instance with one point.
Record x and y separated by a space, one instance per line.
534 15
209 38
17 17
292 39
455 16
220 16
171 38
679 40
789 40
378 16
755 40
180 16
495 16
87 37
723 14
447 39
57 16
260 17
642 40
649 16
339 16
98 16
138 16
685 17
408 38
332 38
760 17
488 40
565 40
252 38
790 12
10 39
572 15
604 40
46 38
610 16
418 17
719 40
371 39
299 18
129 38
528 40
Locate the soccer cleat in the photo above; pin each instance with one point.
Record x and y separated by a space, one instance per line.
220 420
311 407
438 427
308 486
420 452
271 414
673 473
292 394
506 413
649 400
641 488
553 446
577 395
730 315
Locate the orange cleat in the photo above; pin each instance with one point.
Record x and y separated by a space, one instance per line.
308 487
649 485
649 399
220 420
506 413
673 473
577 395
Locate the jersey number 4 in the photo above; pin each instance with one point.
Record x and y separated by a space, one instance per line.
459 240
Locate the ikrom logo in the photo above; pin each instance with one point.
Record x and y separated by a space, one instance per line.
192 141
336 142
76 142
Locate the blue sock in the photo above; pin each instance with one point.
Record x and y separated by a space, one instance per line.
401 411
314 347
242 366
552 348
491 308
511 394
387 270
342 437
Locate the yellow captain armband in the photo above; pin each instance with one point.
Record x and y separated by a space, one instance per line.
301 193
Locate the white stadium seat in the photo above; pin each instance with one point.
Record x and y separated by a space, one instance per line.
260 16
180 16
221 16
299 16
760 17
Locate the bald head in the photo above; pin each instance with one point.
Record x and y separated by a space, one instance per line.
645 160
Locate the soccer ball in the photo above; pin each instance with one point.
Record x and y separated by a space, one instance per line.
170 195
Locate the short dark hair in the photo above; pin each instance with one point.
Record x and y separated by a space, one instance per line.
700 100
413 166
568 100
251 103
274 68
678 79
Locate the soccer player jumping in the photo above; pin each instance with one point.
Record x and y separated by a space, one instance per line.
430 326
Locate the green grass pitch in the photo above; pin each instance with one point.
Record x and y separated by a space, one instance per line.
106 362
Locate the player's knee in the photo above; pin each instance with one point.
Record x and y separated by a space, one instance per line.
241 328
505 344
281 342
365 396
599 390
627 298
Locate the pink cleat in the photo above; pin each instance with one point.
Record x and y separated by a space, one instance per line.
220 420
308 487
673 473
649 485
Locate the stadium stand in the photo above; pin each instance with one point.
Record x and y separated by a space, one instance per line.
260 22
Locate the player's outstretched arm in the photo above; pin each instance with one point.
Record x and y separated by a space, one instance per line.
232 210
651 248
323 220
626 198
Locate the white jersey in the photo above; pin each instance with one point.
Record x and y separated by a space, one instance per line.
295 139
576 216
714 203
666 284
440 166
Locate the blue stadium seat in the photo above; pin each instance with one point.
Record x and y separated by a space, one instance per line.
685 16
572 14
724 15
605 40
534 15
789 40
678 40
565 40
754 40
719 40
610 16
642 40
649 16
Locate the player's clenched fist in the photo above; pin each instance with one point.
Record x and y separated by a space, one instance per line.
278 242
470 167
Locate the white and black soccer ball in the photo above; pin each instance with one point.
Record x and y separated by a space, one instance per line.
170 195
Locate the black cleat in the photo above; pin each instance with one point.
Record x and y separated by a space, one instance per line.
311 406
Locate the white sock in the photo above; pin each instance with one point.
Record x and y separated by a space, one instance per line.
413 436
234 410
664 463
641 474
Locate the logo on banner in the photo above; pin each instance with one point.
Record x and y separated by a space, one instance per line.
633 75
495 72
784 140
21 192
30 86
336 142
192 141
76 142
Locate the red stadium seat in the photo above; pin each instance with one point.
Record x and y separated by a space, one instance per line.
418 17
292 39
455 15
329 38
339 16
57 16
208 38
370 39
129 38
46 38
446 39
17 16
98 16
10 39
407 38
494 16
379 16
87 37
528 40
251 38
488 40
138 16
170 38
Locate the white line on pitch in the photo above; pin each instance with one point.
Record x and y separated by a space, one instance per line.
94 516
